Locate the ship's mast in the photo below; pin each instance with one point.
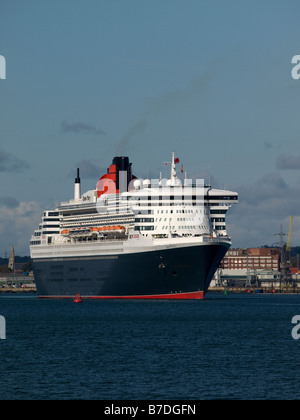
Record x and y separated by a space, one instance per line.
173 168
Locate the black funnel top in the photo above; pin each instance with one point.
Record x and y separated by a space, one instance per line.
77 180
122 163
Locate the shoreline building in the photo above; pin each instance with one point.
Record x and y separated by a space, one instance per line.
252 258
246 267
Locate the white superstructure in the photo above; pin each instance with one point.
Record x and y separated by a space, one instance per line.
155 209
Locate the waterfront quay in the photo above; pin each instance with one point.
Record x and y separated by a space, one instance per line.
30 287
269 289
17 283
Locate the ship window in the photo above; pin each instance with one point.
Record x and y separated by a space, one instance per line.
211 197
52 232
57 267
144 228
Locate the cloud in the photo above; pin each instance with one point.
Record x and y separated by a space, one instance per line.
9 202
263 206
288 162
10 163
267 145
88 169
18 220
80 127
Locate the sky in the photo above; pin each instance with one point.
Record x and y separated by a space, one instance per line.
211 80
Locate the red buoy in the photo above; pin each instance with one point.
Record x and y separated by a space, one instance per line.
77 298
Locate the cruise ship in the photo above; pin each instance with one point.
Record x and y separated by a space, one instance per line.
131 238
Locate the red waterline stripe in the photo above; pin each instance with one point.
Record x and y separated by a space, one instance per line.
188 295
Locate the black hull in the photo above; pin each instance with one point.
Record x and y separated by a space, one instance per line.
172 272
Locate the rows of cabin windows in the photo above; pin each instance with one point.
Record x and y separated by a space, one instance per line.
179 219
167 227
179 197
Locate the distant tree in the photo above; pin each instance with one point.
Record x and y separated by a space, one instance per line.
27 267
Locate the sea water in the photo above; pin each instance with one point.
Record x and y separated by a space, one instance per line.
223 347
